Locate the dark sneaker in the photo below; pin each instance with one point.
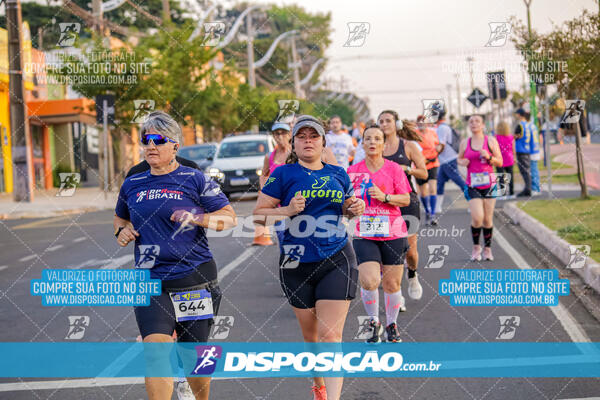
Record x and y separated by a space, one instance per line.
524 193
376 330
392 333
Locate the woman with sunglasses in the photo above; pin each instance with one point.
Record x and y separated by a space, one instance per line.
317 265
165 211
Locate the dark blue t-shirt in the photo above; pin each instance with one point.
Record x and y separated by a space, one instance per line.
148 201
325 191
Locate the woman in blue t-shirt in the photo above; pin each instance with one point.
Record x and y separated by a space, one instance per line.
318 269
165 211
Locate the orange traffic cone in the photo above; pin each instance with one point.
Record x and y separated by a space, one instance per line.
262 236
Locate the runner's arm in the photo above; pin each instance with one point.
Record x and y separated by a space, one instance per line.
353 207
461 154
496 159
267 211
265 172
219 220
420 170
127 233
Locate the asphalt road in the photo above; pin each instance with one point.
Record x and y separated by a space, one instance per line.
260 313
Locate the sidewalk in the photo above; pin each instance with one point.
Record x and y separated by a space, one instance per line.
47 204
565 153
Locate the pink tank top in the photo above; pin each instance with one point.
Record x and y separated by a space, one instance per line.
506 143
272 164
479 171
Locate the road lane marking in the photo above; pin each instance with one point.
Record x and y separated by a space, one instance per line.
223 272
53 248
37 224
117 262
76 383
123 360
3 267
79 239
27 258
568 322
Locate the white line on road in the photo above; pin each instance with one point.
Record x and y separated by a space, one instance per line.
27 258
79 239
117 262
3 267
570 325
125 359
75 384
237 261
53 248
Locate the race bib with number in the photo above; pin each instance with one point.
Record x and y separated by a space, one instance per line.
374 226
479 179
191 305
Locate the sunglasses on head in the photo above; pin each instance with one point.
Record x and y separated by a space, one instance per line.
156 138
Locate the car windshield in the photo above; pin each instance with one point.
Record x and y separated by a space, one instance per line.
248 148
198 152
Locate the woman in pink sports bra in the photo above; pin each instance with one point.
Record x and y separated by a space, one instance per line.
480 153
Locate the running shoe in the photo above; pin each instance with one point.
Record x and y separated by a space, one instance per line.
184 391
433 221
392 333
487 254
376 330
319 393
427 219
402 304
476 253
415 290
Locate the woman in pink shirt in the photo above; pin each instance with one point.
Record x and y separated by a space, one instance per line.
506 141
380 234
480 153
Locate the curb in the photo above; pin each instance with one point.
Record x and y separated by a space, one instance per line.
559 247
48 214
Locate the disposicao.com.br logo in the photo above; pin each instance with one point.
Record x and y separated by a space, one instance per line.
370 361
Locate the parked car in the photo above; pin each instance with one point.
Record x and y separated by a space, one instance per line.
201 154
238 164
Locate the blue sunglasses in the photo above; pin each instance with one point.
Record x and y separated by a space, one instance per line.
156 138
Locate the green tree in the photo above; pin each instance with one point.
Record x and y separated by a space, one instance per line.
576 43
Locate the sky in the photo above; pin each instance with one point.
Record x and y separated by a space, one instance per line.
397 66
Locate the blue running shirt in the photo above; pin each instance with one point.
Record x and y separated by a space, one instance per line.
171 249
325 191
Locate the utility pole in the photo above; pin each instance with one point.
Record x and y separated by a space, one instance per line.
532 106
449 89
459 116
295 65
250 49
97 13
19 125
166 11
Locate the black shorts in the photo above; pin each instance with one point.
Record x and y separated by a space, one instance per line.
334 278
159 316
413 210
386 252
475 193
431 175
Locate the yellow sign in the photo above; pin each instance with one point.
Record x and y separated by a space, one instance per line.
27 58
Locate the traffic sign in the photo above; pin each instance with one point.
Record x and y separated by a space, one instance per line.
477 97
110 108
496 85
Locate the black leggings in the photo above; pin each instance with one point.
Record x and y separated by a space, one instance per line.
508 170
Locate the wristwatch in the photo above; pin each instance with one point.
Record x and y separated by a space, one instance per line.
386 198
118 230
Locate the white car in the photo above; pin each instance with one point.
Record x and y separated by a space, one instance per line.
239 161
